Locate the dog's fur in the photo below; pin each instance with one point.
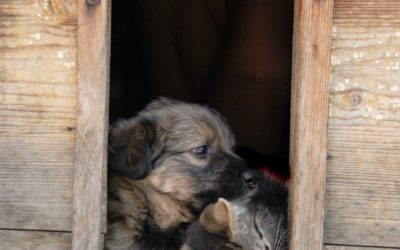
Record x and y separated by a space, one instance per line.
158 183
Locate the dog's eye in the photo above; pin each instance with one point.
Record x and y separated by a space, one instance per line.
200 151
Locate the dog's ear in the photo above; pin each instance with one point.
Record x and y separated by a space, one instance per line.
130 146
217 218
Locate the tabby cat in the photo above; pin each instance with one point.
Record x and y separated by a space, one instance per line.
255 221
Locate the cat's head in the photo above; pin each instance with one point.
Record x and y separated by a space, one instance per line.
255 221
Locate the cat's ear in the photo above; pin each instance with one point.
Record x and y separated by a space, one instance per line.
217 218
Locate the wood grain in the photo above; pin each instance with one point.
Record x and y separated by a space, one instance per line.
363 176
92 125
309 113
37 114
333 247
29 240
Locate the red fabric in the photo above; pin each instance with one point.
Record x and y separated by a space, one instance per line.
268 171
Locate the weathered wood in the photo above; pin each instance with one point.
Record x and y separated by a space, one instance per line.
37 113
333 247
92 125
363 176
27 240
309 113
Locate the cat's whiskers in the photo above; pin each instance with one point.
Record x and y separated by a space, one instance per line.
277 234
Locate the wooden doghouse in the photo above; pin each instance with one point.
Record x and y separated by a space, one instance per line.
54 60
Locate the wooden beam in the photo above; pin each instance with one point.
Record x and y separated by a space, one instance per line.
345 247
92 124
24 240
363 176
309 114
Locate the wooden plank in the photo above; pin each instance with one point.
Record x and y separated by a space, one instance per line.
37 113
92 125
27 240
333 247
309 113
363 175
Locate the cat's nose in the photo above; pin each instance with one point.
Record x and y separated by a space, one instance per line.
249 177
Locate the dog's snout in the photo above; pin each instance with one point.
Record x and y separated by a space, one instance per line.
249 177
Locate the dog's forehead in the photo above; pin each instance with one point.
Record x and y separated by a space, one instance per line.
193 123
201 125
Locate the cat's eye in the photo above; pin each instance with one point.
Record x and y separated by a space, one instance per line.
200 151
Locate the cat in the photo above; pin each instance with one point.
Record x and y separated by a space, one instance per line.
252 222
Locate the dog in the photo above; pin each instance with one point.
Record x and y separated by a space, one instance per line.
166 165
255 221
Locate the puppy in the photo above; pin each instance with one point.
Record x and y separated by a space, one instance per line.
257 221
166 164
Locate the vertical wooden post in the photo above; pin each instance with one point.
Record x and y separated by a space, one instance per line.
309 115
92 124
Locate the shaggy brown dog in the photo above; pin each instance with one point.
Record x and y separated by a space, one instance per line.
169 162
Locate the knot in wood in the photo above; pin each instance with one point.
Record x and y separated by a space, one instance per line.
355 99
93 2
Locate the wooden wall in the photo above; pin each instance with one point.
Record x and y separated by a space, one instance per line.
41 151
363 175
38 47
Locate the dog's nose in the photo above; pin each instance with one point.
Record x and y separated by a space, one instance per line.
249 177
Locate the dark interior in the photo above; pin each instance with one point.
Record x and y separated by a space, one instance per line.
234 56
